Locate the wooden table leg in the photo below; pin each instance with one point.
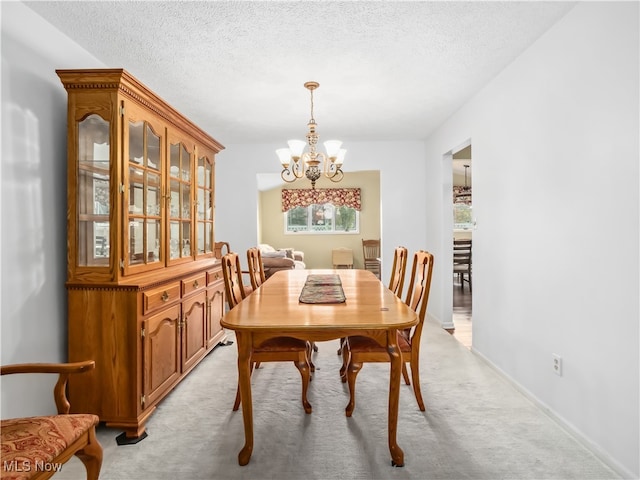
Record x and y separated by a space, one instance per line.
397 455
244 381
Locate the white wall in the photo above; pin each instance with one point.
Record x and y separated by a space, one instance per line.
402 193
555 146
33 214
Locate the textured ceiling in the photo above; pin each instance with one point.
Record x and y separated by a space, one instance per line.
387 70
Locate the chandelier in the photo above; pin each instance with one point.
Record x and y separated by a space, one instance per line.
463 195
297 164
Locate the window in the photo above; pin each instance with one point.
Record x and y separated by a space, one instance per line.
462 216
322 218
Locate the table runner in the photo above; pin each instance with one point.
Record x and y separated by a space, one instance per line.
322 288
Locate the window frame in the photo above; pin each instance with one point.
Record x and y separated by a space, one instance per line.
311 209
462 210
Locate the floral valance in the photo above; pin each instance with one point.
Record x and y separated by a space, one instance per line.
347 197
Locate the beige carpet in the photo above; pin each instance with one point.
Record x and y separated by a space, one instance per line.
477 426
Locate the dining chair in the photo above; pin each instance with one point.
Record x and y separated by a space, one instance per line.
256 267
257 277
49 440
396 283
398 270
279 349
371 254
221 248
462 263
358 349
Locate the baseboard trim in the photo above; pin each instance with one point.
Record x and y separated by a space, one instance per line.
448 326
603 456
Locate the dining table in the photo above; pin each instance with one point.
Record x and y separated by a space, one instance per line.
277 308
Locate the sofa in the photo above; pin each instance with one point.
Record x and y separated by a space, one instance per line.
275 260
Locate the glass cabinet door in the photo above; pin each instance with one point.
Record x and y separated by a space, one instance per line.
93 201
180 167
144 188
204 204
140 186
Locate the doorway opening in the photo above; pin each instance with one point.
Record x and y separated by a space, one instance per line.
462 246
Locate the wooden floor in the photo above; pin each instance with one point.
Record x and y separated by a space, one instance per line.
462 313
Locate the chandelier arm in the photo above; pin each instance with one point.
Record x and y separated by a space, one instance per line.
287 175
292 174
330 168
337 176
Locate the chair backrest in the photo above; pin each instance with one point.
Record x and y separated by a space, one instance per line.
234 288
219 249
397 272
419 287
462 252
256 267
371 249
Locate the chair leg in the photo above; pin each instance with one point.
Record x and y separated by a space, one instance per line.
312 366
91 456
302 364
341 344
405 374
352 373
415 376
346 358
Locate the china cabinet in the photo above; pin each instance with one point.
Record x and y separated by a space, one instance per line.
146 293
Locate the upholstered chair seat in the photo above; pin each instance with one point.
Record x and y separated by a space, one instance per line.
37 447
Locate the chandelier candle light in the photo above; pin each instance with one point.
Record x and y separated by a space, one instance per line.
308 163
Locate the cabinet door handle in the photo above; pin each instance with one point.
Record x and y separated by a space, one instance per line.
196 284
165 296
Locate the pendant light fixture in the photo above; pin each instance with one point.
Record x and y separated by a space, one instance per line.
296 163
463 195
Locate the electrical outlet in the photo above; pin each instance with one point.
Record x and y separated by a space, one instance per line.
557 364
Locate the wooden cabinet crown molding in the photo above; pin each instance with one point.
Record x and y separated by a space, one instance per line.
121 80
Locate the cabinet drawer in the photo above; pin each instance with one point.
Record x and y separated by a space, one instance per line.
160 296
193 284
214 275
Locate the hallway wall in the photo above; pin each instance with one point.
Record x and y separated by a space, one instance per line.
555 152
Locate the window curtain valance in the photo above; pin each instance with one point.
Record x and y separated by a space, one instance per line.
339 197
